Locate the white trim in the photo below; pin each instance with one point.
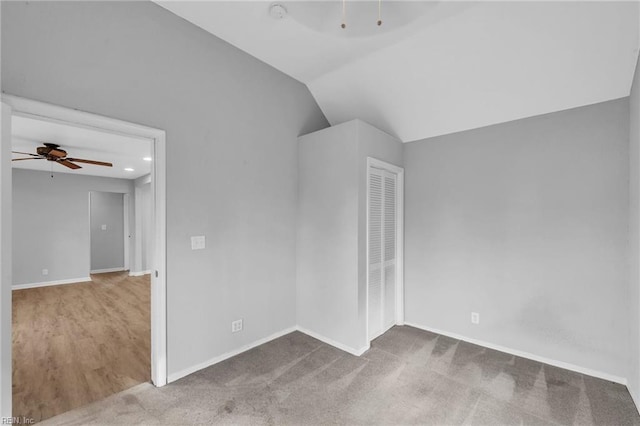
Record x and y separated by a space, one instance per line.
523 354
5 262
384 330
104 271
331 342
399 172
53 113
50 283
190 370
139 273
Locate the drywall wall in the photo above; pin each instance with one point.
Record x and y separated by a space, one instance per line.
232 125
106 224
525 223
51 224
331 251
327 249
634 237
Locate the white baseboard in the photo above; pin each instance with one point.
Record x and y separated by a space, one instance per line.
103 271
50 283
139 273
522 354
185 372
328 341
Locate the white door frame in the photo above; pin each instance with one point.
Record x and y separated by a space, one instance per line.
42 111
5 263
373 163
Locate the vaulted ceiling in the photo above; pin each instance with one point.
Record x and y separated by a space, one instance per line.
434 68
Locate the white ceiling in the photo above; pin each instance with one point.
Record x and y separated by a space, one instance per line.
122 151
437 67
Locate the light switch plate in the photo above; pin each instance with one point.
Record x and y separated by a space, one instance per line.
197 243
104 227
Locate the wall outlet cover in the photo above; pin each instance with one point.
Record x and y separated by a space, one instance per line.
45 272
475 318
236 326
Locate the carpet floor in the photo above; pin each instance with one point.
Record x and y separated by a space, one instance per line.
409 376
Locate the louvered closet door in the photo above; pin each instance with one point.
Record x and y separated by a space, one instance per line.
382 251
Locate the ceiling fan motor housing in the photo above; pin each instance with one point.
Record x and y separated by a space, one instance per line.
46 151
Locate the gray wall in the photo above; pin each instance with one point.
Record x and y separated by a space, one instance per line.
634 235
327 250
331 254
232 124
107 245
525 223
51 223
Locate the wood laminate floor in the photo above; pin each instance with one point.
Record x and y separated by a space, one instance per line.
78 343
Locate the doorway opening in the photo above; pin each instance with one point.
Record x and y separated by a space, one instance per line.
128 259
385 255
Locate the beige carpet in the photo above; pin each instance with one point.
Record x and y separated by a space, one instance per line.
408 377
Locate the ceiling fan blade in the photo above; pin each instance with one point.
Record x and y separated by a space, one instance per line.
57 153
26 153
30 158
68 164
97 163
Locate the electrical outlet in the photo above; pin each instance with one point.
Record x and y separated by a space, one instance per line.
236 326
45 272
103 227
475 318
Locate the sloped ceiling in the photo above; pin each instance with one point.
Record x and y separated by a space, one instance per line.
437 67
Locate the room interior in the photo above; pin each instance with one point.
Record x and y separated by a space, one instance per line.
81 248
516 127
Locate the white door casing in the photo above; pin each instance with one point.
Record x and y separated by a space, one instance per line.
385 290
53 113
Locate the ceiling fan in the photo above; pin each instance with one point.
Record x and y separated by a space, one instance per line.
53 152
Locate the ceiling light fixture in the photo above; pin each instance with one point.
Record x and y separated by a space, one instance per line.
128 169
147 158
343 25
344 14
277 11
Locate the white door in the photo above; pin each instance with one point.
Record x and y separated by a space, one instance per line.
382 230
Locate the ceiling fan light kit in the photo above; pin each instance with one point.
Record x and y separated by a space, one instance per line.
52 152
344 14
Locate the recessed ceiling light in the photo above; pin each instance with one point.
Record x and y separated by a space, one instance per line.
128 169
147 158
